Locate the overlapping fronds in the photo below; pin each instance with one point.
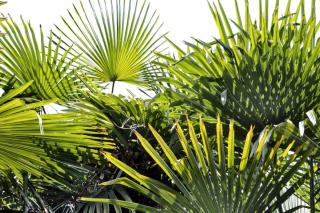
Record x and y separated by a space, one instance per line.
27 56
116 192
34 143
310 131
123 115
256 72
120 116
215 174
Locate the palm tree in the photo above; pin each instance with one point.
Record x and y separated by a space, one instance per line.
310 190
261 73
57 74
121 116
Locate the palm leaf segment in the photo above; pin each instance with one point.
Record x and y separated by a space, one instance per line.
26 56
260 74
28 140
310 131
117 41
216 174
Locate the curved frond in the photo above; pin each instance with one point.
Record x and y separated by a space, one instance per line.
33 143
27 56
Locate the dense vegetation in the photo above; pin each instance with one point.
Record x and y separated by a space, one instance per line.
233 125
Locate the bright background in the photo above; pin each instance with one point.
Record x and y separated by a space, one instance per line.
183 19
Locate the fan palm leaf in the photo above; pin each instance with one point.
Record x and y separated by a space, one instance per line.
116 40
258 74
216 174
123 115
306 132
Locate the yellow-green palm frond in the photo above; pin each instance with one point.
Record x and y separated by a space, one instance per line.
216 174
116 38
27 56
256 72
34 143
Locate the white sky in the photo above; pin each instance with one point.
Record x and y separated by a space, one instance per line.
182 18
175 14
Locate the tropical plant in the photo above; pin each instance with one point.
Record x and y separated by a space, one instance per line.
309 192
57 158
116 192
257 73
212 177
116 39
261 73
127 114
67 201
56 75
120 116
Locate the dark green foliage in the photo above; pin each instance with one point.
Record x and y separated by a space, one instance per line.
259 74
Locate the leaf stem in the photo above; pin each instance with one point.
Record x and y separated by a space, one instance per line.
113 84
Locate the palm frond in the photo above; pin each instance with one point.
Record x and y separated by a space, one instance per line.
310 131
27 56
212 178
259 74
116 38
33 143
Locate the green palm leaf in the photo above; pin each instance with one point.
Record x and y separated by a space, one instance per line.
116 40
257 74
210 178
31 142
27 56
